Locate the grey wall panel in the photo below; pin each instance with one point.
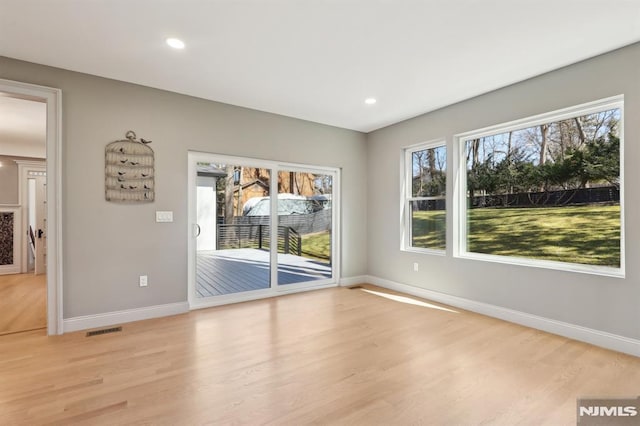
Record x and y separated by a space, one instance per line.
108 245
608 304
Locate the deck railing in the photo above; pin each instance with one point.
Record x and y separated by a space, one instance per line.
230 236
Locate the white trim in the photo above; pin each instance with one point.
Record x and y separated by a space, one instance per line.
406 197
336 225
53 99
432 252
259 162
599 105
120 317
273 226
459 169
24 167
605 271
595 337
192 220
247 296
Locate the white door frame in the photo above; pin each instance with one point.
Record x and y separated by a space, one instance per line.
275 290
24 167
200 183
53 98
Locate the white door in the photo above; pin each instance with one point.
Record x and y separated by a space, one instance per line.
40 230
305 226
206 206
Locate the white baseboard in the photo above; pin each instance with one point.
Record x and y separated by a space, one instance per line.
349 281
119 317
248 296
595 337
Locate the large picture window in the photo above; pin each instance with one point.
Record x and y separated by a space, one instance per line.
425 190
546 191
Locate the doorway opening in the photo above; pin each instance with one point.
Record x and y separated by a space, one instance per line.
30 263
23 291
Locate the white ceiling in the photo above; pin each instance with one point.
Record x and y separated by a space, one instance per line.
23 127
319 59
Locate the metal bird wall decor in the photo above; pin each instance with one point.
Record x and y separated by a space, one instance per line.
129 170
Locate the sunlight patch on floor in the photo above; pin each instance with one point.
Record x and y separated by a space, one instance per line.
408 300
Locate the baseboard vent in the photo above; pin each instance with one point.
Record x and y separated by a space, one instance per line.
103 331
355 287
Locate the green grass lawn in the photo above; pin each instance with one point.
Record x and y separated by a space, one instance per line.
574 234
429 229
317 246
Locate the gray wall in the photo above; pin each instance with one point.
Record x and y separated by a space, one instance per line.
8 181
106 245
9 178
608 304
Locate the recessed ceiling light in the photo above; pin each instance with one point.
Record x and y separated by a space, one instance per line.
370 101
175 43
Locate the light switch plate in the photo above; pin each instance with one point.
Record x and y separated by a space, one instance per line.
164 216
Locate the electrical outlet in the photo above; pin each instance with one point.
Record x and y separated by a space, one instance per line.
416 267
164 216
143 281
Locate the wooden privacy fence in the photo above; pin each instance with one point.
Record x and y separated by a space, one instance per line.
319 221
580 196
607 194
231 236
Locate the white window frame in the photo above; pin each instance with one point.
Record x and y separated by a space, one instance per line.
460 188
406 180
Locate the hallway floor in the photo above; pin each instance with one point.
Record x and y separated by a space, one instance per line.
23 302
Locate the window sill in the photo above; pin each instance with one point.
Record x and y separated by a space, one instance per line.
606 271
436 252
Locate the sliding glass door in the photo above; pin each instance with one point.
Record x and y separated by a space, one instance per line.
258 227
232 250
305 218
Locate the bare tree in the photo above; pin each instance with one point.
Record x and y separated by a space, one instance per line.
240 200
419 161
581 135
431 160
544 132
292 179
475 148
228 195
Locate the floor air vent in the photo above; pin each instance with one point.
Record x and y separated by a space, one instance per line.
355 287
103 331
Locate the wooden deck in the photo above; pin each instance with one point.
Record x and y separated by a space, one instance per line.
220 272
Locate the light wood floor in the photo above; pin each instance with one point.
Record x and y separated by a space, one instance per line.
23 302
335 356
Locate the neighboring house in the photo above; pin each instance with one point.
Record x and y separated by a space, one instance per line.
249 190
253 182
